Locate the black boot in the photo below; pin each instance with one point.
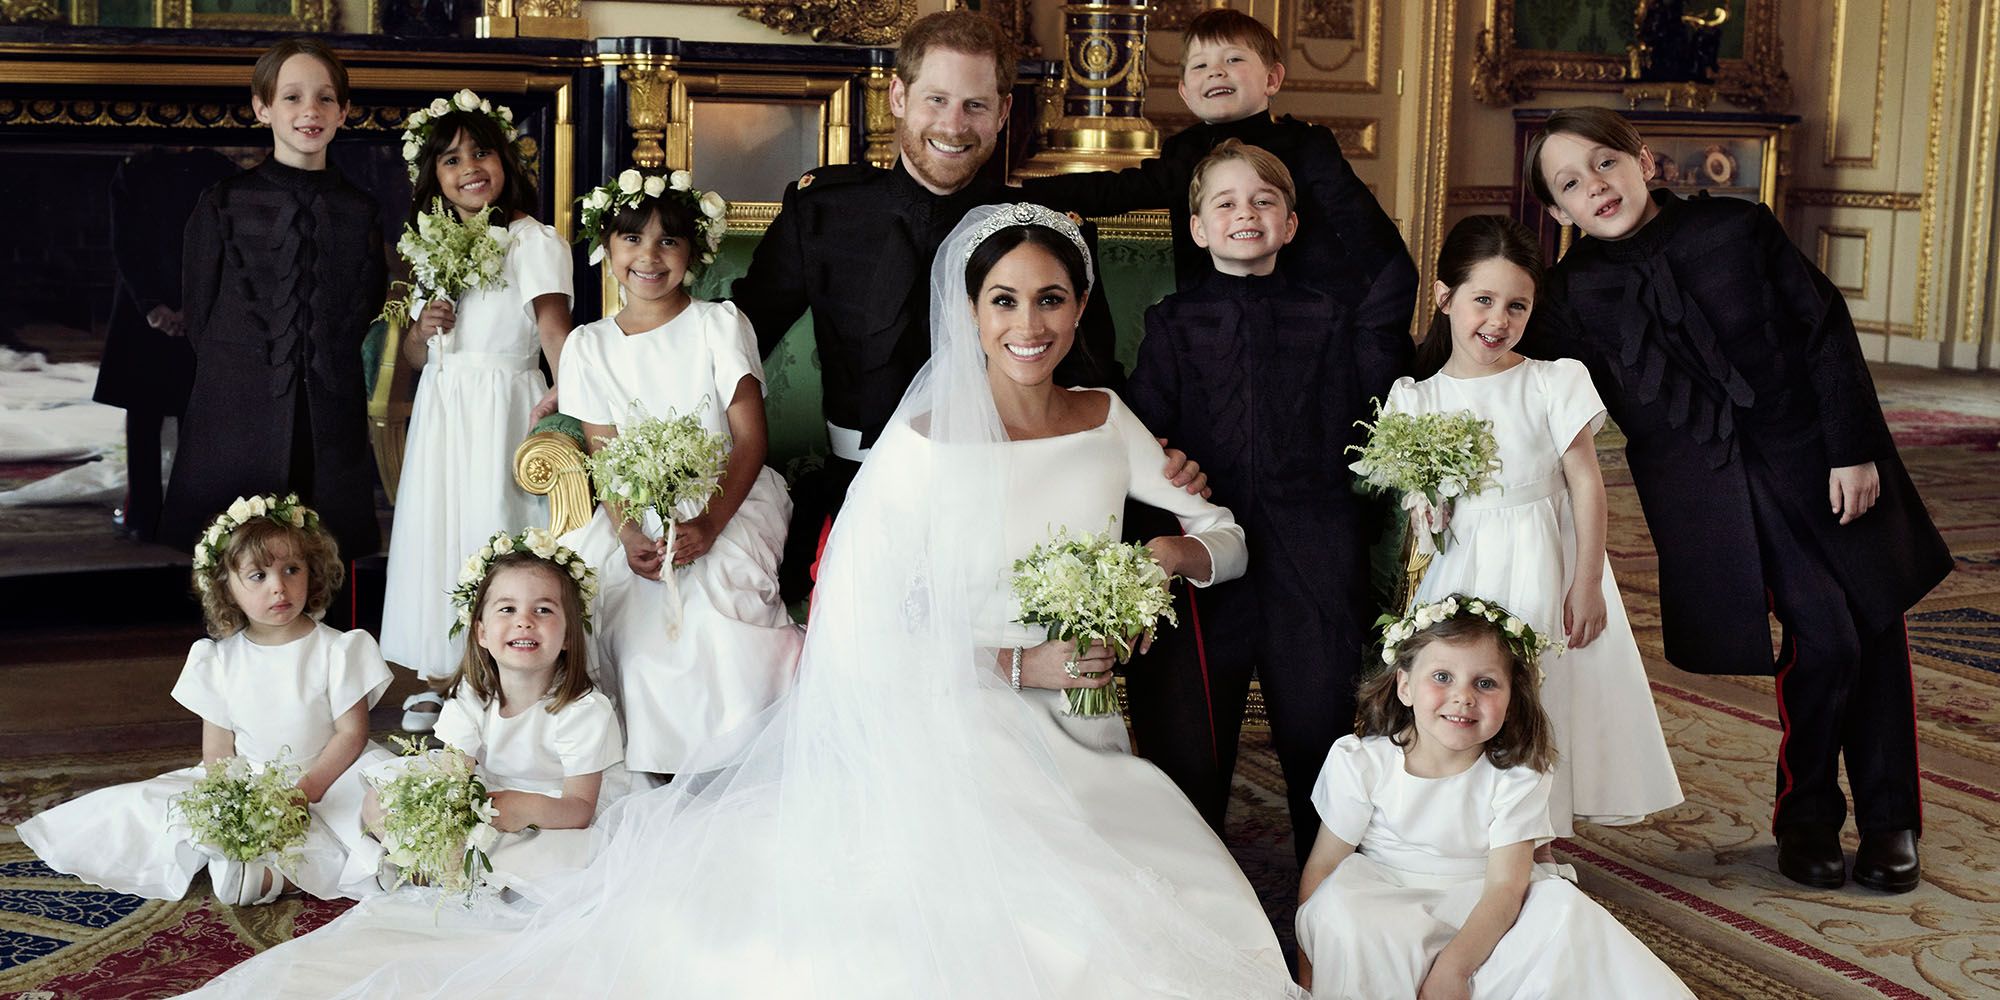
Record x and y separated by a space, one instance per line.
1809 854
1888 861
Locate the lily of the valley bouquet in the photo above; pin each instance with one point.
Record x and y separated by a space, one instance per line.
1088 588
658 472
437 823
448 257
1428 460
247 812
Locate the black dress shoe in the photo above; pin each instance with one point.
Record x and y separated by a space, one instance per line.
1810 855
1888 861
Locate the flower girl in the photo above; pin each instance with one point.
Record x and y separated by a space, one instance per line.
1422 880
1533 538
691 665
276 688
522 705
481 388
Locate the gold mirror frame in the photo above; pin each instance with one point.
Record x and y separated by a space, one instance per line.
1504 75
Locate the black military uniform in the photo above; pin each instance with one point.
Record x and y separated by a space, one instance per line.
853 244
1732 366
1346 245
283 272
146 372
1261 380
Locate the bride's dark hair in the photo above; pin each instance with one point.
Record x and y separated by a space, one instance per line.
1003 242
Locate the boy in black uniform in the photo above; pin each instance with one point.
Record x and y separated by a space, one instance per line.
1262 379
1767 474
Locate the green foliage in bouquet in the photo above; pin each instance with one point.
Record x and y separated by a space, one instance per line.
1432 456
671 465
1092 588
437 819
447 257
247 812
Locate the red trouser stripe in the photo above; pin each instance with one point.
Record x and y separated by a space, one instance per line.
1207 692
1790 653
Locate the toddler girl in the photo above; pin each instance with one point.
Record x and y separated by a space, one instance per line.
1534 538
735 648
1422 879
275 685
481 388
522 706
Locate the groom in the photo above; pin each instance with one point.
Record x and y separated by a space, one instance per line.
853 244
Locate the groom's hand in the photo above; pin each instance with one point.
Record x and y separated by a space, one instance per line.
1184 472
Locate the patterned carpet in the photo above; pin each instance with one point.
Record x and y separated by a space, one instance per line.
1697 883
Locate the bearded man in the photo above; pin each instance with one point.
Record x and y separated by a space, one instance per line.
853 244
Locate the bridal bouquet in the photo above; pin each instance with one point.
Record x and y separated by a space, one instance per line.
660 471
246 812
1427 459
448 257
437 819
1087 588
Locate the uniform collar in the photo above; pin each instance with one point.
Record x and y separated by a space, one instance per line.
298 180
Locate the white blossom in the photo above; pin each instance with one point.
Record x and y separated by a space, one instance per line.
630 182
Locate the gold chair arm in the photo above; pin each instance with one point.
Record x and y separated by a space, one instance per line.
550 464
389 410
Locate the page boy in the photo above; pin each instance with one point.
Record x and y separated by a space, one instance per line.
1261 379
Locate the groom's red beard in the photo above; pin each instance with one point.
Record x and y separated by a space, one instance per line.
937 170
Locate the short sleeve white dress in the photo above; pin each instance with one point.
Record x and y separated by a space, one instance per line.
478 388
281 702
736 647
1375 925
1515 543
532 751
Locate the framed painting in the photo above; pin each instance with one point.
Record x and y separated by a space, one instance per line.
1530 45
252 15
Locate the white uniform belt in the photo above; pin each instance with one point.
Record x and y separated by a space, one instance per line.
846 443
1514 496
479 359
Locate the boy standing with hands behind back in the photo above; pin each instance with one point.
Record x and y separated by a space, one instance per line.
1263 378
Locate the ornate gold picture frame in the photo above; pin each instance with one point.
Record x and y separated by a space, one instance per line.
254 15
1505 74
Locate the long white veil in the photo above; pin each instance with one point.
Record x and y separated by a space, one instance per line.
895 827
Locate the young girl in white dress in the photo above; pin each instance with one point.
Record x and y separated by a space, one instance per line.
546 744
1534 539
481 389
274 685
731 648
1422 881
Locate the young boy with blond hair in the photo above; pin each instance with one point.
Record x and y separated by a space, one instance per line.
1261 378
1231 68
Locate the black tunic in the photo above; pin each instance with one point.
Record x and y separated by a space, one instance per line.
152 195
853 244
1726 357
1346 245
284 270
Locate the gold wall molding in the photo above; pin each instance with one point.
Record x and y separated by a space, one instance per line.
1480 195
1503 75
857 22
1933 169
1894 201
1824 253
1976 251
1430 171
1295 25
1833 157
1886 329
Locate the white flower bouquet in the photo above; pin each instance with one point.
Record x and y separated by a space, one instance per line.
448 257
660 471
1428 459
247 812
437 819
1092 588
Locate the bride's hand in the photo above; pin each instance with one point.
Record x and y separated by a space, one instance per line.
1045 666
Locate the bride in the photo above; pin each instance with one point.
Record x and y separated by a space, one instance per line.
919 818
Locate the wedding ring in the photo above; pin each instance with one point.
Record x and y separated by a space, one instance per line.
1069 667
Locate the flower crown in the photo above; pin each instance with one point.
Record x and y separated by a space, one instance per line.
1028 213
417 128
1524 641
537 542
631 187
208 551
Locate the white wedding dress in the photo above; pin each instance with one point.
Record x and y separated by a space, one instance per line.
902 825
